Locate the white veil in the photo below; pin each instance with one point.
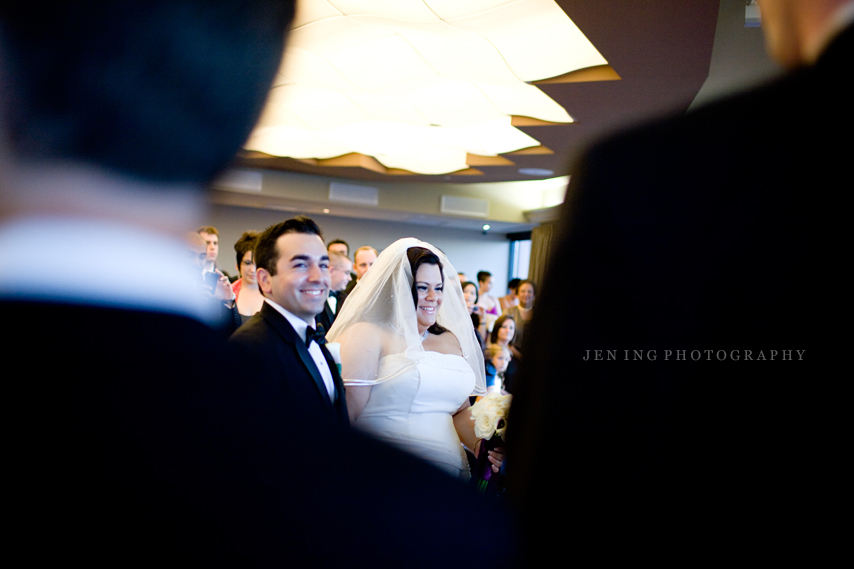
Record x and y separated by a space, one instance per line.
381 303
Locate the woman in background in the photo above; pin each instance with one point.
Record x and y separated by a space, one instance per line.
504 335
512 298
476 311
248 296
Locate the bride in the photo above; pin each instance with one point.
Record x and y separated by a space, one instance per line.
409 357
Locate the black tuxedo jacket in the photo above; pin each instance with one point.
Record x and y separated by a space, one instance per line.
342 296
271 338
327 317
697 256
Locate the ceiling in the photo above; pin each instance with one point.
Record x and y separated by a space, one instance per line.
660 50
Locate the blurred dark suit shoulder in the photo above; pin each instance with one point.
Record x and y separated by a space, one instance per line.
141 436
717 232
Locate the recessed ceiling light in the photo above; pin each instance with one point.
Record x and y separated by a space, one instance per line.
486 227
325 210
536 171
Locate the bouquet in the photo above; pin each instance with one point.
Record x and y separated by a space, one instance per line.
489 414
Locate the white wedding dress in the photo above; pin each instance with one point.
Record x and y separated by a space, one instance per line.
413 409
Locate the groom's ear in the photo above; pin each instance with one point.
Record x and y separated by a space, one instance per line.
265 282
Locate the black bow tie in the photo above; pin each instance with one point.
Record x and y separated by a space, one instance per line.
318 335
334 293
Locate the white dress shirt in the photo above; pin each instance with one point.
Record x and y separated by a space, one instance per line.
314 350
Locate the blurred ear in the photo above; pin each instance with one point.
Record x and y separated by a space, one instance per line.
265 282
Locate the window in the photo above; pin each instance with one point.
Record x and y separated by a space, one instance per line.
520 255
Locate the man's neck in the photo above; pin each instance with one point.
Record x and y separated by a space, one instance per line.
210 266
81 192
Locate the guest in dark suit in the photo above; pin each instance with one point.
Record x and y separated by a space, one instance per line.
338 246
363 259
293 274
339 276
138 437
676 389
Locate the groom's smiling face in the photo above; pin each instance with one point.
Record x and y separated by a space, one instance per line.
301 282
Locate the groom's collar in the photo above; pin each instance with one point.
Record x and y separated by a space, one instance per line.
298 324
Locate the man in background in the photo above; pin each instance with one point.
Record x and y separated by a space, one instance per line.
684 365
214 287
363 259
211 237
142 437
339 277
338 246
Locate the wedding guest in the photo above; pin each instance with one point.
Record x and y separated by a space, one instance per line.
512 298
522 313
477 319
211 237
338 246
248 296
498 358
504 335
339 277
363 260
486 300
214 287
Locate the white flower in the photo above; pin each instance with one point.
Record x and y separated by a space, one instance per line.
483 426
488 412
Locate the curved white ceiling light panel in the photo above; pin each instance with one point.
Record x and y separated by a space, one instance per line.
418 84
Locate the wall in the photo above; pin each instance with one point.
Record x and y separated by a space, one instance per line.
468 251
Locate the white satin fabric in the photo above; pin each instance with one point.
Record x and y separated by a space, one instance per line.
412 408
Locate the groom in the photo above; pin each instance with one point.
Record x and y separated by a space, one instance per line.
293 274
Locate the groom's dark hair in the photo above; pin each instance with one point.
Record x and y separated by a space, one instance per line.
422 256
266 251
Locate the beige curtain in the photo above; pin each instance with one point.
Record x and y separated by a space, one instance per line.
542 243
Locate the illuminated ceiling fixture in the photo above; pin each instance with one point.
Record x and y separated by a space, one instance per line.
418 84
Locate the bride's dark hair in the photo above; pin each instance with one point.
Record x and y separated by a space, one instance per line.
419 256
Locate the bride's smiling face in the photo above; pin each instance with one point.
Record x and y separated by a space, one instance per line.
428 287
